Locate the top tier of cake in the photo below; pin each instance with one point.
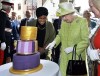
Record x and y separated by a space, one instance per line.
28 33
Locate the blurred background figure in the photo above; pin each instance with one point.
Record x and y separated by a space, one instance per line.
87 15
19 18
15 33
91 21
15 25
24 20
15 20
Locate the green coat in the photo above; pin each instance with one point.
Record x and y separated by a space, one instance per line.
70 34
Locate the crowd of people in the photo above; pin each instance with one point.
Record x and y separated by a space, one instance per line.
56 39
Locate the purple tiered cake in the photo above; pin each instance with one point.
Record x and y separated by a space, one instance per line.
26 57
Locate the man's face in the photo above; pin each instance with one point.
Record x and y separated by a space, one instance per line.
28 14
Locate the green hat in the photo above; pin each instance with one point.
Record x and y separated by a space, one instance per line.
65 8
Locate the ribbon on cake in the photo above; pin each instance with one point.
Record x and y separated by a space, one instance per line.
28 33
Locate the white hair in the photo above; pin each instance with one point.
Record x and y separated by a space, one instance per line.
6 7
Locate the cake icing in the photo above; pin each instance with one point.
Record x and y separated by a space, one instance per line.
25 47
21 62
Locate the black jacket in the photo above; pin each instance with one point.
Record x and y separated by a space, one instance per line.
3 18
23 22
5 36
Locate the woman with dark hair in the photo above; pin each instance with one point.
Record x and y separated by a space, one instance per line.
46 31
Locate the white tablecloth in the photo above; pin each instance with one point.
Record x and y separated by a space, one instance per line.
49 69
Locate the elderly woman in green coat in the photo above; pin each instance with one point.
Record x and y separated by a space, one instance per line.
74 30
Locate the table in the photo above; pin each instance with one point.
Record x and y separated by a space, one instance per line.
49 69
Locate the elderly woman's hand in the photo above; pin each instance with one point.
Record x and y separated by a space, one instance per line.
51 45
68 49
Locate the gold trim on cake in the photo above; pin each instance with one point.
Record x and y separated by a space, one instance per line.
25 54
26 71
36 45
28 33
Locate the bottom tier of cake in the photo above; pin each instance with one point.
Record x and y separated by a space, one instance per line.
26 62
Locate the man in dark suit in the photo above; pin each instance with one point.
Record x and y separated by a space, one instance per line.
5 28
23 21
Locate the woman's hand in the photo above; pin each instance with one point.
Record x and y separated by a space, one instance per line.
51 45
41 50
8 60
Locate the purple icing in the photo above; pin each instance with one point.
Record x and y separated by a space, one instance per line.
25 62
25 47
33 46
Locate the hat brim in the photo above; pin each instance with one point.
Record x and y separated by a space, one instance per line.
61 13
7 3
